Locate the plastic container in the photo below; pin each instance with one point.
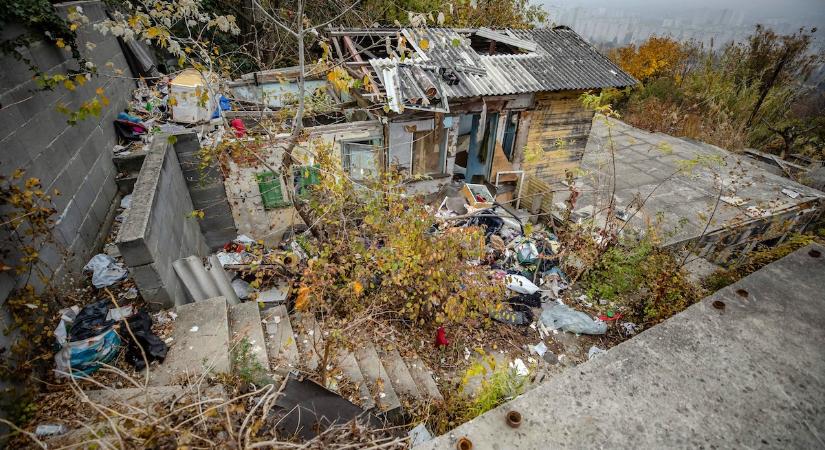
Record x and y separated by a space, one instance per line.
189 89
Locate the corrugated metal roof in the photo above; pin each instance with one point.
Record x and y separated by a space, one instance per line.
562 61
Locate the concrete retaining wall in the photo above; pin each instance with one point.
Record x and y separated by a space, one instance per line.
76 160
207 190
159 228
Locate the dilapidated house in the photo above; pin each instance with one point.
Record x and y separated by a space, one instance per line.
479 104
500 108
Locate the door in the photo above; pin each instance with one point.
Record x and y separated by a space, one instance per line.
480 155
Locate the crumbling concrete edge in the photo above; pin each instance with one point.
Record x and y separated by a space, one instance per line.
740 368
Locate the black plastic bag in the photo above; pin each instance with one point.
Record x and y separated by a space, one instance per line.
141 326
91 321
492 223
532 300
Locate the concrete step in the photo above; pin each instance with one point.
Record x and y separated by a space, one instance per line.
348 366
310 341
135 397
280 340
200 343
377 379
245 323
131 162
423 377
400 378
126 183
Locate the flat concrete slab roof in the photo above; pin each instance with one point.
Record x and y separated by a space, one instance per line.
682 179
743 368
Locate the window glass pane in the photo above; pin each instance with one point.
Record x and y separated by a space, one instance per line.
510 129
359 159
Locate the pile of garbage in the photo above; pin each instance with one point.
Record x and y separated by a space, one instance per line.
171 105
91 336
526 258
88 336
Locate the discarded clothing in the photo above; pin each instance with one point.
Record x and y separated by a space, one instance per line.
141 327
520 315
91 321
128 117
561 317
129 131
105 271
492 224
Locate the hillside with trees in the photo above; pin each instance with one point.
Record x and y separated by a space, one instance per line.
756 94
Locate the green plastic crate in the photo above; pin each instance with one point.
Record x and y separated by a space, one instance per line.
269 184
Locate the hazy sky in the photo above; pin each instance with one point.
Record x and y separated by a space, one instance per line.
796 9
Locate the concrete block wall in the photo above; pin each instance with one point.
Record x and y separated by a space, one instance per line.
74 159
159 228
206 187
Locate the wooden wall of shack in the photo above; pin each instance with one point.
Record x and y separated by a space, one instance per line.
550 139
559 126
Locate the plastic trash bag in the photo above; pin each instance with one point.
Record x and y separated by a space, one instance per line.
126 201
105 271
562 317
595 352
91 340
141 326
520 284
526 252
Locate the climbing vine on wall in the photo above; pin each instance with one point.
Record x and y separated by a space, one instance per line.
27 222
40 21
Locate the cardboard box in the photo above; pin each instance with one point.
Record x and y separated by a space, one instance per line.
473 191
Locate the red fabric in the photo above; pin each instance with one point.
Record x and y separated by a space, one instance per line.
441 338
240 129
604 318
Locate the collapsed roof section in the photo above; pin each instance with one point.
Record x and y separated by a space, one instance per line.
423 68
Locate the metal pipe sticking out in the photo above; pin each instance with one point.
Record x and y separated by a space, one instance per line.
427 85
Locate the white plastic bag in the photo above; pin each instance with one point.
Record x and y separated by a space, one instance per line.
241 288
520 284
105 271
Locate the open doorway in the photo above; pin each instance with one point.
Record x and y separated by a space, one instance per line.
475 146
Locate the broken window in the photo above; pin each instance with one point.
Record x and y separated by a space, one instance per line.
305 176
360 158
272 195
427 152
510 130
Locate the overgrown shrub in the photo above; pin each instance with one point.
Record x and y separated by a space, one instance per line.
646 279
379 250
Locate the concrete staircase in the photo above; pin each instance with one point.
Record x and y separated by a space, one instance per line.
375 379
207 333
128 166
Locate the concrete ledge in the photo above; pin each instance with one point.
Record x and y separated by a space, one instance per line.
131 239
159 229
743 368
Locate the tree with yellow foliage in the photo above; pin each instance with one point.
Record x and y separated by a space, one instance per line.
657 57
